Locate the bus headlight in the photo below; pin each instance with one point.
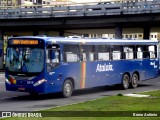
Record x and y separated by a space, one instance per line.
7 81
39 82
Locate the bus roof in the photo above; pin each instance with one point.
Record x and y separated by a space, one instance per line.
63 40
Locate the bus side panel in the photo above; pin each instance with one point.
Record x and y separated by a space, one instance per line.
93 74
64 71
150 67
104 73
111 72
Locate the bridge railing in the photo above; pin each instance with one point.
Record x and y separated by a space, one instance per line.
94 9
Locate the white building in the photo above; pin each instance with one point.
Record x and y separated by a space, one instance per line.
155 36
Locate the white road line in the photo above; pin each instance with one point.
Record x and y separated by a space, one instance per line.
146 83
9 97
6 98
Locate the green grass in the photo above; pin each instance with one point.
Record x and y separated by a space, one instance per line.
113 103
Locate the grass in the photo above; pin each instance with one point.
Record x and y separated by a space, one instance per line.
97 107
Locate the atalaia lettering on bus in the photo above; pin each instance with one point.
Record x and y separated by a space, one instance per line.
104 67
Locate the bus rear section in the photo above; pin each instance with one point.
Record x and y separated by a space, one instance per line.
110 63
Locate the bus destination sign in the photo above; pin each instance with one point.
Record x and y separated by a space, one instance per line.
24 42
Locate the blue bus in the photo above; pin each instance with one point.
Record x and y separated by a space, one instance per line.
54 64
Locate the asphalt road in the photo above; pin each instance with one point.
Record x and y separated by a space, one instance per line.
18 101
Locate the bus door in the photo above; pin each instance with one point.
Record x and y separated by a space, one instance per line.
1 55
52 63
152 63
159 54
146 55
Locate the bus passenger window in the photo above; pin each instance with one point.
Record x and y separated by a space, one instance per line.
84 57
71 57
87 52
103 56
152 51
71 53
91 56
116 52
116 55
139 53
103 52
129 52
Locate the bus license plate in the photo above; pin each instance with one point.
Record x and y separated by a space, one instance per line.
22 89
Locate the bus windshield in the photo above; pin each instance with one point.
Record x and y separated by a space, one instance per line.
25 60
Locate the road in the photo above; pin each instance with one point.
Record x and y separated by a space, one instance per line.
18 101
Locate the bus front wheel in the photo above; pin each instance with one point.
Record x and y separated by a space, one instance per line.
125 81
67 89
134 80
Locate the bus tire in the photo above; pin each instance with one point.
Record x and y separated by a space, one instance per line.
67 88
134 80
125 81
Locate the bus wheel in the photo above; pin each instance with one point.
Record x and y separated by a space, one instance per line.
134 80
67 89
125 81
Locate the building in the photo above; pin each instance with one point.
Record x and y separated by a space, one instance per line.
12 3
4 3
155 36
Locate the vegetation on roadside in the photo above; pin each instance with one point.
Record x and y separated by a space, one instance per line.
117 107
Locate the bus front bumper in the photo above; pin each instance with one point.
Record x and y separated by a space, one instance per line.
25 88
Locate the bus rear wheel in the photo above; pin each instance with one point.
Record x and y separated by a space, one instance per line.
134 80
125 81
67 89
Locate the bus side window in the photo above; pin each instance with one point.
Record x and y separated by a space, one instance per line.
84 57
71 53
116 51
129 52
152 51
87 53
91 56
103 52
139 52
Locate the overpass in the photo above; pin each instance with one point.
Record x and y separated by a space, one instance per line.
34 19
82 16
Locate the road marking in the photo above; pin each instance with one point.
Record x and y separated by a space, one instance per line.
146 83
8 97
136 95
5 98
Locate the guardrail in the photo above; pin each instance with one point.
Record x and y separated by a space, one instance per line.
82 10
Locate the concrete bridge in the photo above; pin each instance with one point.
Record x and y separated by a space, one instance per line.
82 16
145 15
